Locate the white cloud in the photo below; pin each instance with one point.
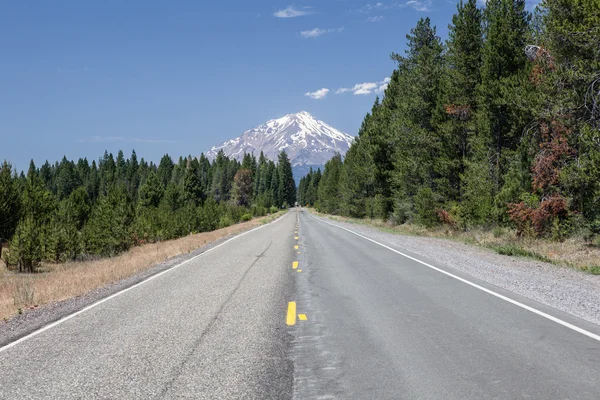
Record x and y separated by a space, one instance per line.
366 88
313 33
377 18
318 95
419 5
292 11
378 6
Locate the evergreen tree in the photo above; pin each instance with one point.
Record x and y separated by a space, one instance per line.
151 192
242 187
287 185
329 186
10 203
456 123
503 66
165 170
192 185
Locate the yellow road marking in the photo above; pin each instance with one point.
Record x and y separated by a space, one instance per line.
299 270
291 313
296 237
295 264
296 247
302 317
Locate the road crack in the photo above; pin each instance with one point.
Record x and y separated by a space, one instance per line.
177 370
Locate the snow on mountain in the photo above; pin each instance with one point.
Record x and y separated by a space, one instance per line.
307 141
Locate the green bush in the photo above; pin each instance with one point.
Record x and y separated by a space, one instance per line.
402 212
259 211
381 207
225 221
426 205
497 232
246 217
273 210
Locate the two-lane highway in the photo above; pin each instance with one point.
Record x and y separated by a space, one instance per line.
302 308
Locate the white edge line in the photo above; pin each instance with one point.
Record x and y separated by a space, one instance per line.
97 303
498 295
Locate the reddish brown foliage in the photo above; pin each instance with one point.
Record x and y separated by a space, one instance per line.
446 218
462 112
543 63
242 187
540 217
554 150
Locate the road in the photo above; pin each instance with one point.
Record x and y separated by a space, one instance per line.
369 323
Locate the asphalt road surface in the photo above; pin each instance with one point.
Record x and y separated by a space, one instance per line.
338 317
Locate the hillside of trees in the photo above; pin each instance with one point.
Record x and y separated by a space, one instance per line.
75 210
498 125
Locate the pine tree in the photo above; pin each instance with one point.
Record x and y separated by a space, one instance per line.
151 191
456 123
242 187
503 66
329 188
10 203
287 185
192 185
107 232
165 170
418 148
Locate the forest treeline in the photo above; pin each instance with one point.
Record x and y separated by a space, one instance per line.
72 210
497 125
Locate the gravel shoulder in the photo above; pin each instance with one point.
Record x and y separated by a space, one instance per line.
562 288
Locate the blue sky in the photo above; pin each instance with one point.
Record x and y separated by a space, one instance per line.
79 77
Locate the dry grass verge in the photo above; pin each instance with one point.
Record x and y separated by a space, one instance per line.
63 281
573 252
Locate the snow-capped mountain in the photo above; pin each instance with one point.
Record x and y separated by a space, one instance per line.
307 141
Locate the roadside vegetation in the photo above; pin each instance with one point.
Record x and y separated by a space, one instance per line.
491 137
77 211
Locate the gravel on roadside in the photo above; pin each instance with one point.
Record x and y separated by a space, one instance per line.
562 288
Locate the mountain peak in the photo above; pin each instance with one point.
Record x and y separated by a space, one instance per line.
307 141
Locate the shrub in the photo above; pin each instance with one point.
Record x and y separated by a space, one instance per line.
246 217
381 207
259 211
426 202
446 219
273 210
225 221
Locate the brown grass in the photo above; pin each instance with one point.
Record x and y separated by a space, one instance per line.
63 281
573 252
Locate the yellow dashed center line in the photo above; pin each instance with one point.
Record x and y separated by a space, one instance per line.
295 264
291 313
302 317
296 247
299 270
296 238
